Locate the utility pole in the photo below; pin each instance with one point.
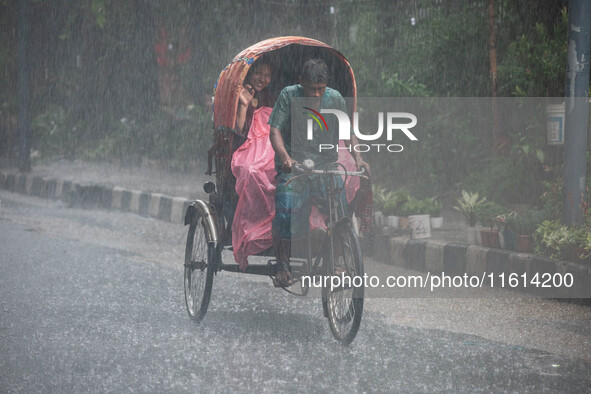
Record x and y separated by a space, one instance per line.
492 51
577 110
24 93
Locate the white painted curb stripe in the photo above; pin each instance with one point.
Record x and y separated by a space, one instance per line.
134 205
177 213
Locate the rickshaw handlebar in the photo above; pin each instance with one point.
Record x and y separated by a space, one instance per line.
300 169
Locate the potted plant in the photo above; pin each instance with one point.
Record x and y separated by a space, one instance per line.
401 210
412 206
380 196
434 210
563 242
390 208
488 214
507 234
468 205
418 218
524 224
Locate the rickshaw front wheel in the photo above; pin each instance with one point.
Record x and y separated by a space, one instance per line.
199 268
343 302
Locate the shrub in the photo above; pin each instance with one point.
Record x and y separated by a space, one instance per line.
557 241
395 202
433 206
526 223
468 205
487 213
381 196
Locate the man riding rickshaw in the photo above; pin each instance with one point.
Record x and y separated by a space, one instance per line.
290 200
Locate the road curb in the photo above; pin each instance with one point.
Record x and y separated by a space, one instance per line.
92 195
452 260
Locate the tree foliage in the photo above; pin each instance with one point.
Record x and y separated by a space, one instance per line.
95 63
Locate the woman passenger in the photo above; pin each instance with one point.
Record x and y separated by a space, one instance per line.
254 94
253 166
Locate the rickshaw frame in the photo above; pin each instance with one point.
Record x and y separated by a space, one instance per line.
210 223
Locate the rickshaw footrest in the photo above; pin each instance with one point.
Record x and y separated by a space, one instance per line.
255 269
262 269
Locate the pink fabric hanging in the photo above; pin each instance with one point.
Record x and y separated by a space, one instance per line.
254 168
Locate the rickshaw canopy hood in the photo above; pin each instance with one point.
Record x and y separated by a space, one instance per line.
287 55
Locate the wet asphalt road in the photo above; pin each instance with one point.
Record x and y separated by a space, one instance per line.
93 301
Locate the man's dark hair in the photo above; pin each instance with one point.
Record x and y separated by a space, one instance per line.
315 71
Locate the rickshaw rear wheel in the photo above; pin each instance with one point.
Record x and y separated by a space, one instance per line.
199 268
343 305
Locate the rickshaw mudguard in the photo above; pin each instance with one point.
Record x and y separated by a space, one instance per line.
201 208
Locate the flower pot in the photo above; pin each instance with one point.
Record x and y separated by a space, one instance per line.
392 221
523 243
420 225
510 238
501 240
378 218
477 235
495 241
490 239
403 222
437 222
472 236
485 238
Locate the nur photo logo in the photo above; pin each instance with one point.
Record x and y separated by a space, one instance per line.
317 117
395 121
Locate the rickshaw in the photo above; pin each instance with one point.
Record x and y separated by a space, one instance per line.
210 222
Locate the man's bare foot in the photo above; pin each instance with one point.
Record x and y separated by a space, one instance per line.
283 276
